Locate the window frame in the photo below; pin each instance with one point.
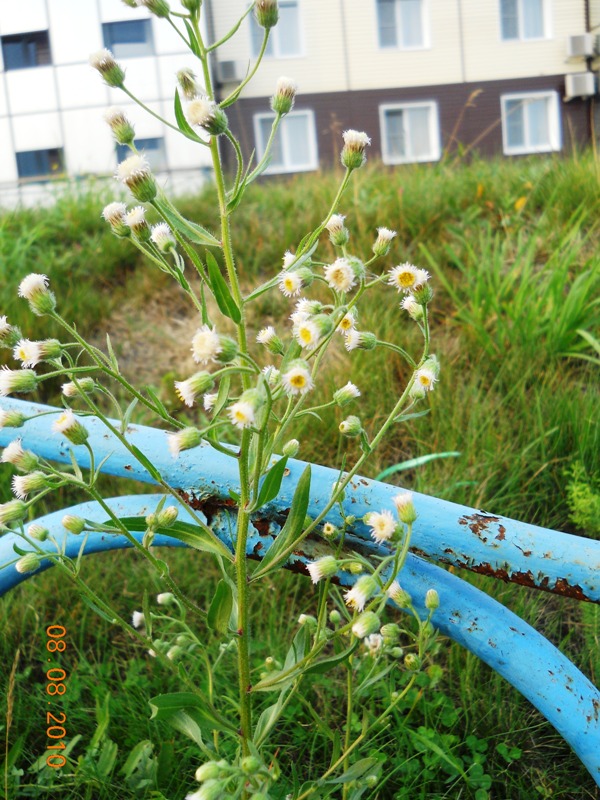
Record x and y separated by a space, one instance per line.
274 37
23 36
554 123
287 168
520 36
123 151
149 40
425 26
434 132
43 177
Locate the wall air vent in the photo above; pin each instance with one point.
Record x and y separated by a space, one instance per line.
580 84
581 46
229 71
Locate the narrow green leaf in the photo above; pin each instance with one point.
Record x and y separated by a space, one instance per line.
356 771
220 608
158 402
221 291
268 719
271 483
195 536
145 462
412 463
111 354
283 545
194 44
195 233
165 706
326 664
127 415
414 415
182 123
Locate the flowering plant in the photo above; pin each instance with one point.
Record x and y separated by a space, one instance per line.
244 401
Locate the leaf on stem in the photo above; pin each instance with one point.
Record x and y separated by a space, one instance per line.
182 123
176 707
191 230
411 463
199 538
221 607
221 291
283 546
271 483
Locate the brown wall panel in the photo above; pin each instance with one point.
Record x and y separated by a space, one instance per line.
469 114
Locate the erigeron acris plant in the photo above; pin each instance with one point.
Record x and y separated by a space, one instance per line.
230 396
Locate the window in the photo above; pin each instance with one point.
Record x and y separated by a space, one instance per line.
522 19
153 150
409 132
530 123
129 39
40 163
284 41
25 50
401 24
295 146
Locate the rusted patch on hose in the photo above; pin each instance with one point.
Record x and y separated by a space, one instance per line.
478 524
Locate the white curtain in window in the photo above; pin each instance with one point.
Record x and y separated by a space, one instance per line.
411 22
533 19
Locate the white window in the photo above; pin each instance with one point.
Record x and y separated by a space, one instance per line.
409 132
402 24
530 123
523 19
295 145
285 40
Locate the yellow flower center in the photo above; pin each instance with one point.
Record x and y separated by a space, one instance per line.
298 380
305 334
406 279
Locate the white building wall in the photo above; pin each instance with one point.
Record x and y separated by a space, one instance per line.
61 105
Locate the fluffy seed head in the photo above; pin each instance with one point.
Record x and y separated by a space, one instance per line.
135 173
23 485
21 459
282 101
382 244
104 62
353 151
162 237
121 127
399 595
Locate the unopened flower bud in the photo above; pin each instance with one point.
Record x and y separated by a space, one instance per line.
34 288
27 563
364 588
412 662
136 220
354 568
23 460
353 151
282 101
250 765
175 653
351 426
414 309
186 79
82 387
405 507
70 427
121 127
335 617
137 619
266 13
391 633
365 625
166 599
423 294
11 419
189 389
338 233
360 340
382 244
37 532
13 511
207 771
73 524
308 620
114 214
432 600
346 394
192 5
135 173
151 522
105 63
185 439
206 113
324 567
160 8
166 517
163 238
24 485
399 595
291 448
9 334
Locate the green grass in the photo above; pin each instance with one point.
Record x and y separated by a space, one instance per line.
513 246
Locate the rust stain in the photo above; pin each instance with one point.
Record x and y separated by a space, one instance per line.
501 533
478 524
128 467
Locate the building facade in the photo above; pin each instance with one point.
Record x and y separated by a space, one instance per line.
419 76
52 102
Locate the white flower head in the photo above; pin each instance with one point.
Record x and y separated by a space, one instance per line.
290 283
23 485
347 322
32 285
335 223
69 426
373 643
209 400
137 619
426 378
132 168
324 567
382 524
406 277
206 345
364 588
184 439
405 507
413 309
189 389
288 259
340 275
31 353
307 334
242 414
114 213
297 378
383 242
265 335
136 216
16 380
162 236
